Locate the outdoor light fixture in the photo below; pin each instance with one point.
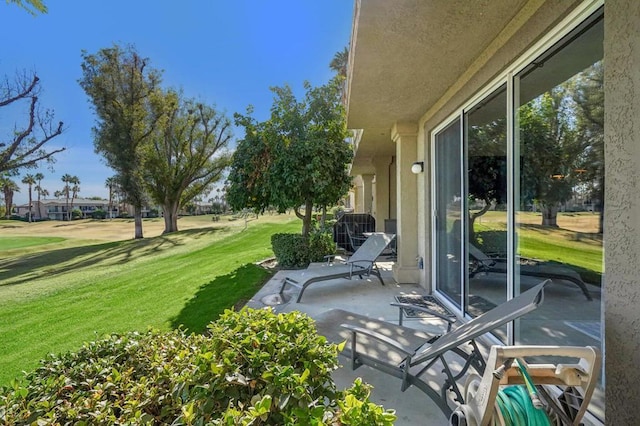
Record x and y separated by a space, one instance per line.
417 167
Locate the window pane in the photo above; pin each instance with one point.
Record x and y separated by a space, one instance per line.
486 126
448 207
560 199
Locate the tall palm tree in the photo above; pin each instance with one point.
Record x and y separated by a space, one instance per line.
66 191
339 65
75 181
111 184
29 180
40 191
340 61
8 187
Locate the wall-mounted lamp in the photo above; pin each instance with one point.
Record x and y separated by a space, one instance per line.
417 167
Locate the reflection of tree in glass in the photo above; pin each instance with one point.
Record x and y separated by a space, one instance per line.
549 150
588 95
487 168
561 134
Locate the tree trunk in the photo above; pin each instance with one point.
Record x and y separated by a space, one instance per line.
550 216
323 218
170 213
30 202
8 203
137 218
306 222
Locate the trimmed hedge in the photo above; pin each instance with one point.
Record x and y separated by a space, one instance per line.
256 367
293 251
290 250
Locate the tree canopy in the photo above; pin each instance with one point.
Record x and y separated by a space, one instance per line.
32 6
27 145
298 158
123 89
186 155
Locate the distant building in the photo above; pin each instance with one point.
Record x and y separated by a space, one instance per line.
56 209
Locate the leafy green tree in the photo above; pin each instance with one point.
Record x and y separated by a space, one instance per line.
186 156
112 184
26 146
29 180
297 159
123 90
9 187
32 6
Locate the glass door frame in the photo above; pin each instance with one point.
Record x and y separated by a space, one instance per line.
508 78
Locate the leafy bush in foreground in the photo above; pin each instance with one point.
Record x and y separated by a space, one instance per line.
256 367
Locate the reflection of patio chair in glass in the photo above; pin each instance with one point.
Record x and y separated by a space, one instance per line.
361 263
411 354
480 262
527 267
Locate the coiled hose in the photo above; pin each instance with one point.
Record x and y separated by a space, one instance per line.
519 405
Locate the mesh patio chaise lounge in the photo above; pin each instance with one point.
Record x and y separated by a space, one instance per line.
410 354
362 263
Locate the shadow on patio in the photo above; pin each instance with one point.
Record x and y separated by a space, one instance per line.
565 318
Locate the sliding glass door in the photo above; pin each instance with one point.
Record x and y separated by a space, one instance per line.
448 193
486 193
518 190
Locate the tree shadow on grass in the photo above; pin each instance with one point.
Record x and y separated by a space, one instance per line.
23 269
224 292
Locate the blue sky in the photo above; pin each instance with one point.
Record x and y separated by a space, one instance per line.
226 53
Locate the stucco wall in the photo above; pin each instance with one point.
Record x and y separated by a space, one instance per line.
532 23
622 214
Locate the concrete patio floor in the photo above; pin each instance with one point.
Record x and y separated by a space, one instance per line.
369 298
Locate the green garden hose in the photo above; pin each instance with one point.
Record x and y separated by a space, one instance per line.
519 405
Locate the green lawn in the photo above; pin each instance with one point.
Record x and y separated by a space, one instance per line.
54 300
10 243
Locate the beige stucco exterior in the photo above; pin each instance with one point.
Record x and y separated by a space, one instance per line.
414 63
622 219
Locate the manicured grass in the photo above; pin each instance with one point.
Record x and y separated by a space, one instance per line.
54 300
10 243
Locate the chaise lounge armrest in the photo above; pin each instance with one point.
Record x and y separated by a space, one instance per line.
401 306
355 330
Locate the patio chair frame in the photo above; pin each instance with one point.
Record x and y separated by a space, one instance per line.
419 351
362 263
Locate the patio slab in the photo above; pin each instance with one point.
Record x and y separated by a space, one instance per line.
369 298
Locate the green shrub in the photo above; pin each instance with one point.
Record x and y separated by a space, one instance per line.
290 250
320 245
256 367
76 214
99 214
492 242
293 251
